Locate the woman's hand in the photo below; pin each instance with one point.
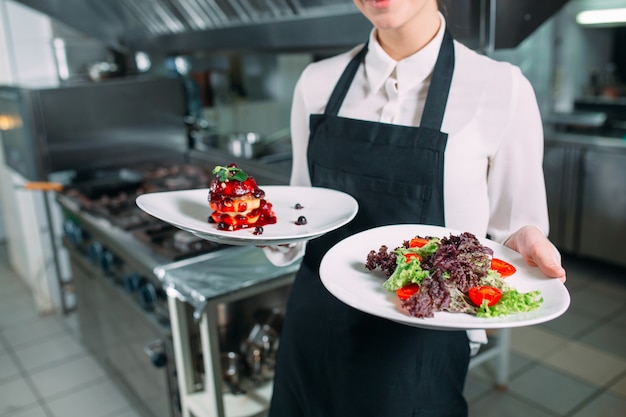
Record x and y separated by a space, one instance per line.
285 254
537 250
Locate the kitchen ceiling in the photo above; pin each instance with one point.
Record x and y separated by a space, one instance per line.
184 26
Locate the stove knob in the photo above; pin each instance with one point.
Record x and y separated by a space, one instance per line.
147 296
107 261
95 252
132 282
156 352
159 360
72 231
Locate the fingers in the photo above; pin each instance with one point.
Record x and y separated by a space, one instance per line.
537 251
546 259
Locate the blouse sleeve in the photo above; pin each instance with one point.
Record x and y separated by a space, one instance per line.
300 135
285 255
515 181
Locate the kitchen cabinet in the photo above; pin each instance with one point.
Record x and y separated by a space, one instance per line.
586 189
562 178
603 206
212 400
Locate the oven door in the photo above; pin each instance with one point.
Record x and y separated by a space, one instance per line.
133 345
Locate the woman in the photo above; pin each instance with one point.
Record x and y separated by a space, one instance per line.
371 122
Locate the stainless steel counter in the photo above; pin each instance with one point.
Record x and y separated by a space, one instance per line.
223 275
586 141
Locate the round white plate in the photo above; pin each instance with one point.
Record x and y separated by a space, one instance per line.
344 274
324 209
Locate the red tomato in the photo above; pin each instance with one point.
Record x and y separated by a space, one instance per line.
410 256
478 294
503 267
407 291
417 242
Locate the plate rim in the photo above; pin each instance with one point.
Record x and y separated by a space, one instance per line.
232 238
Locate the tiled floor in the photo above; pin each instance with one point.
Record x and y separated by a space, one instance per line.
574 366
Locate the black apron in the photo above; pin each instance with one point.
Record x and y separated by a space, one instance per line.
334 360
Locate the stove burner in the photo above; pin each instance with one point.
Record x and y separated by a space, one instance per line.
173 243
120 209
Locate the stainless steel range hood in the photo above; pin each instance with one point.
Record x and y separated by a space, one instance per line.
185 26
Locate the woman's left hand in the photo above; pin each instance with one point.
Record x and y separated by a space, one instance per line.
538 251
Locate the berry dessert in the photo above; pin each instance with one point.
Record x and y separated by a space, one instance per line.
237 201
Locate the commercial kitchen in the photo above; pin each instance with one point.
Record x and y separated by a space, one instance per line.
106 311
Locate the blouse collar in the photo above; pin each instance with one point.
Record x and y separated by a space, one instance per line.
410 71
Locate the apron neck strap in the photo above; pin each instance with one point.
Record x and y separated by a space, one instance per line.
436 99
339 93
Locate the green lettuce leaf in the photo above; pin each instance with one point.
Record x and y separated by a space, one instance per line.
512 301
406 272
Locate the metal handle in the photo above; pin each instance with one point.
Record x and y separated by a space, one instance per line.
147 296
43 186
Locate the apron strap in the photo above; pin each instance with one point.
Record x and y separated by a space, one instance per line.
339 93
437 97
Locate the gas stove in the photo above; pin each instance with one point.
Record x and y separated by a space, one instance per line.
115 251
116 205
114 248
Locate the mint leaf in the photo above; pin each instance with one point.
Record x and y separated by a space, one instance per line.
227 173
239 176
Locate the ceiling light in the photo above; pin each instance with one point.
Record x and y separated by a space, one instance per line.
602 17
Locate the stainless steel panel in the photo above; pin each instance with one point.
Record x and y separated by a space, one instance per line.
116 331
603 207
187 25
515 20
302 33
87 126
562 178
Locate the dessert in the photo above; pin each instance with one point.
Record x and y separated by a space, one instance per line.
237 201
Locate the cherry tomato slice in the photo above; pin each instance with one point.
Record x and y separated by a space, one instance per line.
503 267
407 291
417 242
478 294
408 257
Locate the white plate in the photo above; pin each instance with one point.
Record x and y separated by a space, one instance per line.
344 274
324 209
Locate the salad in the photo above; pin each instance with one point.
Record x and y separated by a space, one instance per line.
455 274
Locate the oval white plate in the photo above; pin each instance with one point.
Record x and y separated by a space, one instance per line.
344 274
324 209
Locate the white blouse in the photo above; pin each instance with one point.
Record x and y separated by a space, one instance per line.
493 177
